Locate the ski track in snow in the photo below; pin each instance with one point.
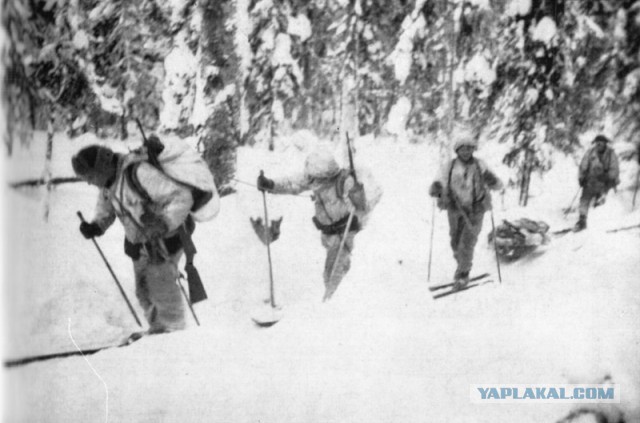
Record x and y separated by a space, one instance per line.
106 388
382 350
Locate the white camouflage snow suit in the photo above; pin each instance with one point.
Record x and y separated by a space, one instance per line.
332 208
151 238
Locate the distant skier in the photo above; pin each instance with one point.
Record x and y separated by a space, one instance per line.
462 188
598 173
335 194
154 209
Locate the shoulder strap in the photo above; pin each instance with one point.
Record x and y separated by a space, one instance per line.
588 155
340 181
130 175
119 196
477 163
474 193
453 162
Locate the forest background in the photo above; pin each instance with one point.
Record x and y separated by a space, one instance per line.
532 74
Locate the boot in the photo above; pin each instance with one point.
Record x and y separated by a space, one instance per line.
581 224
460 280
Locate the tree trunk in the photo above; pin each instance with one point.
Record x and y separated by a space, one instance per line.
46 175
526 177
221 134
356 64
123 125
272 133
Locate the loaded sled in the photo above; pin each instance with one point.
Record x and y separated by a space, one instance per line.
515 239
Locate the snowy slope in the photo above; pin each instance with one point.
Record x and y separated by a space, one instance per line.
381 351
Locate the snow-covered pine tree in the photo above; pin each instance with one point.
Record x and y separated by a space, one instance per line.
313 44
552 59
378 29
43 78
529 66
342 58
477 27
181 67
121 46
216 110
433 46
349 85
275 77
413 69
625 29
44 85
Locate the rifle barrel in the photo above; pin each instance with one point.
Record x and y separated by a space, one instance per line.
144 137
353 169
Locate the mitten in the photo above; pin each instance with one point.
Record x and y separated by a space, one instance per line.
90 230
490 179
264 183
436 189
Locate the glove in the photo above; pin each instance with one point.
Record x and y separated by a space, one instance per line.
490 179
358 197
436 189
90 230
264 183
154 146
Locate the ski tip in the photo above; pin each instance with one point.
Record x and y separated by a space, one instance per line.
476 278
453 291
133 337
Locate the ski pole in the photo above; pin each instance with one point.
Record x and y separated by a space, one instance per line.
184 294
267 238
112 274
635 191
495 247
433 224
328 295
568 209
624 228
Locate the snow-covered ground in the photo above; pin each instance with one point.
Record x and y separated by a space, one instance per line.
381 351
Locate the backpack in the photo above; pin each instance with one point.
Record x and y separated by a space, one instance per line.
372 190
185 166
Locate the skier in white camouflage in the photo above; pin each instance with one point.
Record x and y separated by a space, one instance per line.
336 194
462 188
152 208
